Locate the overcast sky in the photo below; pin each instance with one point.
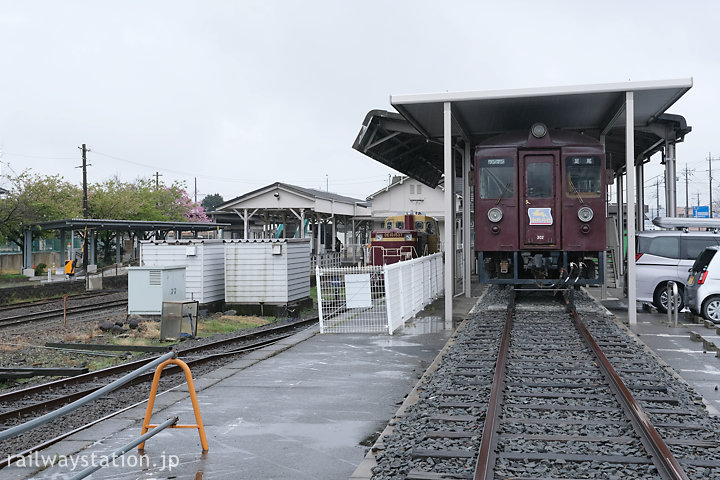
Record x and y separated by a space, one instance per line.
240 94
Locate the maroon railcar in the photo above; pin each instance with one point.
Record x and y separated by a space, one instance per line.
540 208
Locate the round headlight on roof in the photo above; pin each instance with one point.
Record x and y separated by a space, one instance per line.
538 130
585 214
495 214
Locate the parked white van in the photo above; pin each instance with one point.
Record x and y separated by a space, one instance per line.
664 255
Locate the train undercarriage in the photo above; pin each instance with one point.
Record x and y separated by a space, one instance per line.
553 269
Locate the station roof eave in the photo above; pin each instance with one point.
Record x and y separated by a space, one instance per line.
122 225
411 141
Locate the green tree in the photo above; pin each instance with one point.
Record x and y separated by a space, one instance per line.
210 202
36 198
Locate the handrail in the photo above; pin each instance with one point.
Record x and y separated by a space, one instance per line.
36 422
124 449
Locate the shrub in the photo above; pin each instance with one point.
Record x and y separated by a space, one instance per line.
40 269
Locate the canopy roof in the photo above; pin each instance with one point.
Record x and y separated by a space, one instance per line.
412 141
122 225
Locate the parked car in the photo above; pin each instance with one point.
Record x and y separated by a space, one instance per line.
664 255
702 293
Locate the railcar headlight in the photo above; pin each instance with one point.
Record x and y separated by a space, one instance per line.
378 237
408 237
585 214
495 214
538 130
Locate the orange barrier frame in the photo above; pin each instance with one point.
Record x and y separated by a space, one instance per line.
193 396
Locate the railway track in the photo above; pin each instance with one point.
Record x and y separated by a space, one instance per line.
21 405
59 312
534 393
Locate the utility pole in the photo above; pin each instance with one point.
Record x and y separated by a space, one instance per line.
157 180
195 189
657 197
687 174
698 198
85 202
710 160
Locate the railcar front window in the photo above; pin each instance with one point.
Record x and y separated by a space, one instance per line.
430 228
539 179
389 225
583 177
496 178
400 225
419 225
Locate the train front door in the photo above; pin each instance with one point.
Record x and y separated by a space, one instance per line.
540 197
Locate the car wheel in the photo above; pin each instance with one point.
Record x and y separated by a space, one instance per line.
711 309
660 298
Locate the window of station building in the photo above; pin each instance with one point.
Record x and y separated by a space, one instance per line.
419 189
583 177
496 178
539 180
412 189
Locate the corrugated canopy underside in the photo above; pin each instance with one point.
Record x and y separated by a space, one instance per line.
411 142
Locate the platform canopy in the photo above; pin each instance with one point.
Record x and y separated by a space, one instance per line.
411 141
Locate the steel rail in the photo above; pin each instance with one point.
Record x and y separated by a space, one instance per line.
35 316
486 457
668 466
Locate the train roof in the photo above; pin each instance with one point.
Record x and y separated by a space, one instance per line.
411 141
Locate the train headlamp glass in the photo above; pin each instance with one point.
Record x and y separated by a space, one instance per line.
378 237
408 237
585 214
495 214
538 130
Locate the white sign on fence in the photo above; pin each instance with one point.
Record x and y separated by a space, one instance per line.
357 290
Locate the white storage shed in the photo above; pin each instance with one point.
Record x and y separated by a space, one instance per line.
149 287
204 262
272 272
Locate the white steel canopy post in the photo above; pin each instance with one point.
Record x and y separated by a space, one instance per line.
630 195
468 248
449 217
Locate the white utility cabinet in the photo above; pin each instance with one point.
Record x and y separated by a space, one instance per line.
204 262
149 287
267 271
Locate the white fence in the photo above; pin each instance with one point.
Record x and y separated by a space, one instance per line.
377 299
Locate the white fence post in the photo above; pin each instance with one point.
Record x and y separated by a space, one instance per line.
318 288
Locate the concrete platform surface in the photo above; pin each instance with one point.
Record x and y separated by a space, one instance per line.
303 412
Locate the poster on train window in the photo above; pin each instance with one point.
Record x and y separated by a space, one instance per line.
357 290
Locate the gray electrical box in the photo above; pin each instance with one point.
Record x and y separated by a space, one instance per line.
149 287
178 318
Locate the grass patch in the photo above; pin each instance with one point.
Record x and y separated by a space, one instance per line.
229 324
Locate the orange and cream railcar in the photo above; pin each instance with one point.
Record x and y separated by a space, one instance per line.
404 237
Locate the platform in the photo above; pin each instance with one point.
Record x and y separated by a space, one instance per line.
310 407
